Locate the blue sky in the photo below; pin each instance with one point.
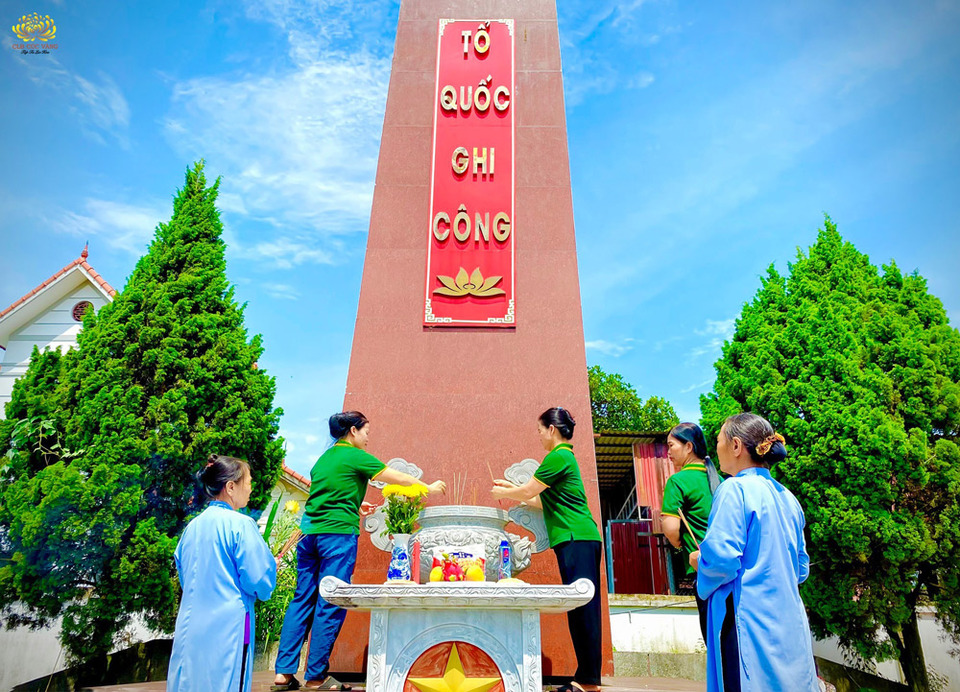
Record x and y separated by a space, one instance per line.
706 141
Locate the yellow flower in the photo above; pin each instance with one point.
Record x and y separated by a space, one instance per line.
292 506
472 285
412 491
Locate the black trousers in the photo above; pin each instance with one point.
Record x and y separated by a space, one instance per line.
581 560
730 649
702 611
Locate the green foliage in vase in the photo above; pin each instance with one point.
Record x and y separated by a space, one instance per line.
859 369
403 506
102 442
615 405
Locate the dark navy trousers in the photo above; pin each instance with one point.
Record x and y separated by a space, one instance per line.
318 555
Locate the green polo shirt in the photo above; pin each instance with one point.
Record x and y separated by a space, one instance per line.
689 490
565 510
338 483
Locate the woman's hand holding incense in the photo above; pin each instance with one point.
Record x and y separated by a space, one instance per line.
437 487
501 489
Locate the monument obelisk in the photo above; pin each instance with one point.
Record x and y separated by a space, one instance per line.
469 323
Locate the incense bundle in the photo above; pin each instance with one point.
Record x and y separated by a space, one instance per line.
292 541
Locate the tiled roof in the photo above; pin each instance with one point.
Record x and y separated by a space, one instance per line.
81 262
296 476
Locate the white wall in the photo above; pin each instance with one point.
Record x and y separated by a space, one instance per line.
655 624
936 653
666 624
285 490
54 328
27 654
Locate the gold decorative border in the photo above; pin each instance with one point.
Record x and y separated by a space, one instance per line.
433 319
509 318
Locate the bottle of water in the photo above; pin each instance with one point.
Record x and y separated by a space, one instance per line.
505 568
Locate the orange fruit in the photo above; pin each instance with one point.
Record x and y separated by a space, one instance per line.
474 573
436 574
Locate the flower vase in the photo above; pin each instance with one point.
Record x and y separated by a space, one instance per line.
399 569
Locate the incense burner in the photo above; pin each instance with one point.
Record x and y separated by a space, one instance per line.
459 526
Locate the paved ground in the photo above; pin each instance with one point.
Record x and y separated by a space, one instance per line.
263 680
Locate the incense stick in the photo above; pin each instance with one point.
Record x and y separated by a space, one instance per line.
292 541
493 479
685 523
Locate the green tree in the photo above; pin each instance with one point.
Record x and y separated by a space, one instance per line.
615 405
860 370
162 377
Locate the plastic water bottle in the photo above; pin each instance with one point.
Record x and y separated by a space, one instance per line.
505 567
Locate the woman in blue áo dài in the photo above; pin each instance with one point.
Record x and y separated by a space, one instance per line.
224 567
749 567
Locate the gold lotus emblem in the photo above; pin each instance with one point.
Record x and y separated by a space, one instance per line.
32 27
469 285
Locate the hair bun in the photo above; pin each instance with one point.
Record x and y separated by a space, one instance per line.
772 449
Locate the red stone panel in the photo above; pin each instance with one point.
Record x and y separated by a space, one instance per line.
453 400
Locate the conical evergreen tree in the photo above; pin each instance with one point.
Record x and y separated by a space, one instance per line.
162 377
860 370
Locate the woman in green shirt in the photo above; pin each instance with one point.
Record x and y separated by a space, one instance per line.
331 530
689 492
557 489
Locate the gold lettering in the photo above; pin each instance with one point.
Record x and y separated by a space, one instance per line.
483 36
460 161
448 98
485 92
493 151
466 42
466 100
479 162
437 233
462 219
483 227
501 227
501 98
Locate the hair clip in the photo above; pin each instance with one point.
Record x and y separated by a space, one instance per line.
765 446
209 464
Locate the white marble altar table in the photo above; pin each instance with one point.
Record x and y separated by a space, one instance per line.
408 619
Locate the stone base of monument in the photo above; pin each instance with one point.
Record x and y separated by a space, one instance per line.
495 626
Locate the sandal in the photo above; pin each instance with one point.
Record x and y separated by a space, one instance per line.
331 683
294 684
574 687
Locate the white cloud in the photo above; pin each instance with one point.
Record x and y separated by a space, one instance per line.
587 31
298 151
698 386
281 291
722 328
284 253
714 160
718 332
128 227
98 104
107 107
610 348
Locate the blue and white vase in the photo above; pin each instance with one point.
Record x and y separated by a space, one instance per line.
400 558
